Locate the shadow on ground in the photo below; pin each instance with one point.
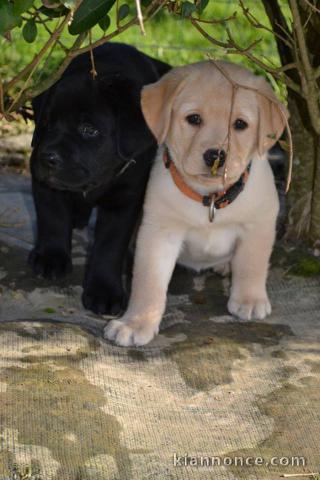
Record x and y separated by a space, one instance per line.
75 407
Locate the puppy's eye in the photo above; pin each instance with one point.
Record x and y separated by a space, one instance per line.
194 119
240 124
88 131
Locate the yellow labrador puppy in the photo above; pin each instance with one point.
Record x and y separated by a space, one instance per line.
211 198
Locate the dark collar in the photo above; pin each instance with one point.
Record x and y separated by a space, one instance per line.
214 201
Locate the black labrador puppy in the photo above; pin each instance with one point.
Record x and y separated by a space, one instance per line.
92 148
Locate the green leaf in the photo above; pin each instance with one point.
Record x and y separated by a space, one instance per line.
30 31
123 11
202 4
88 14
8 19
187 8
54 13
21 6
104 23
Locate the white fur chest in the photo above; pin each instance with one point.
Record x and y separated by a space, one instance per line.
209 247
208 244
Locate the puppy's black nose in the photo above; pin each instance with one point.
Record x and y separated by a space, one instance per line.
52 160
210 156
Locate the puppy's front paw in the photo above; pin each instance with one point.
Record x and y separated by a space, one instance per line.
250 308
103 297
104 301
126 333
50 263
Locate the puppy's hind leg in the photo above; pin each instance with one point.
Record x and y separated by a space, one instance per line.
156 255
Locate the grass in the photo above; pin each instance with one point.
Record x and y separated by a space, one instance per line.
170 39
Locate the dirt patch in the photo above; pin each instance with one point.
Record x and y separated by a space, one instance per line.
295 411
206 357
53 390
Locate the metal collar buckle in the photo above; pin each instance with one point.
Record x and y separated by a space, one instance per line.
126 165
212 210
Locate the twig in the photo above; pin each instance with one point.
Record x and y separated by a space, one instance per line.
256 24
313 7
93 70
140 17
241 49
158 5
216 22
44 23
40 74
308 83
104 39
37 58
20 92
307 20
235 87
74 51
288 35
291 475
195 23
48 82
231 47
134 21
117 14
279 24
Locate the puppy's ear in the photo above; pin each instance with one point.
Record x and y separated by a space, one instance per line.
157 101
40 106
160 67
132 133
273 117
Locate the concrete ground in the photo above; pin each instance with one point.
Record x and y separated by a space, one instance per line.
74 407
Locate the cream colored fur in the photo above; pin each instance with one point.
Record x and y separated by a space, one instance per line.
175 228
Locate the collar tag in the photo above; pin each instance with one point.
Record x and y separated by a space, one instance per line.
212 210
126 165
214 201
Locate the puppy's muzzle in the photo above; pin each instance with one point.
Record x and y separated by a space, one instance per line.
214 158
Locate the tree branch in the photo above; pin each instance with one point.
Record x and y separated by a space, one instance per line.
37 58
279 26
106 38
307 73
216 22
231 47
153 8
32 92
75 50
313 7
256 24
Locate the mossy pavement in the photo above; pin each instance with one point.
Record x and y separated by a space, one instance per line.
74 407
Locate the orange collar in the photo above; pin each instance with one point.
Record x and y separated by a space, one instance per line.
214 201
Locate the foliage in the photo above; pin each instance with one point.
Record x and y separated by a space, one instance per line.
37 48
168 37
